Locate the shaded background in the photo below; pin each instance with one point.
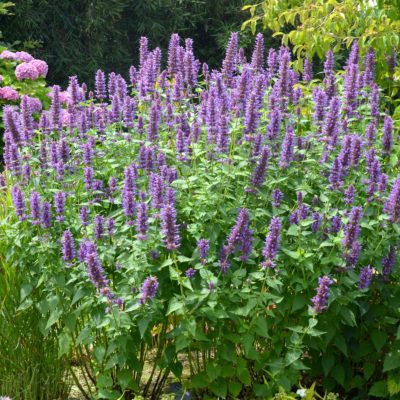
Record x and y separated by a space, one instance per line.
76 37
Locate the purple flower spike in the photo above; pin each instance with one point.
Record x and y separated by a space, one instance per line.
35 204
68 246
170 229
389 262
204 246
320 301
260 170
19 202
45 218
98 226
149 289
392 205
142 220
277 197
190 273
272 240
365 278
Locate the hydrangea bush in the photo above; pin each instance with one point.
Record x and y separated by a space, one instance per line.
236 229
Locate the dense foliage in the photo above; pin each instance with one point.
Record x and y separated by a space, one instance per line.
239 233
87 35
313 27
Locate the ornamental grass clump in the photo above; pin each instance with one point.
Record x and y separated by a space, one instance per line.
236 229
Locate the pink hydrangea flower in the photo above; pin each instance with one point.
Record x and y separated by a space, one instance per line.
7 55
26 71
8 93
41 66
23 56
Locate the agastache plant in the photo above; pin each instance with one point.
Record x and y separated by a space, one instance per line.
185 211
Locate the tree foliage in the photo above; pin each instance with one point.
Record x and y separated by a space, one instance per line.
313 27
80 37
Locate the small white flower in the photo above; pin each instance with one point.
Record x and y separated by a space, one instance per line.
301 392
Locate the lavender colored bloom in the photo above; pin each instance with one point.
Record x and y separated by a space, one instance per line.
365 278
260 170
335 175
129 205
204 246
149 289
19 202
240 236
349 195
387 138
98 229
374 103
257 58
330 126
320 301
110 226
143 51
370 133
35 205
320 102
170 229
190 273
45 218
59 202
156 190
389 262
272 240
351 246
87 153
223 134
68 246
229 62
154 121
26 119
317 221
142 219
392 205
55 109
307 70
88 177
173 54
94 269
84 216
277 197
287 148
336 224
369 67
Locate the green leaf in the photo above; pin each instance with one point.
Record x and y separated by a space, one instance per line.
64 344
199 381
392 361
244 376
174 305
348 316
327 363
54 317
341 344
379 389
219 387
142 325
213 370
83 336
378 339
26 289
181 343
338 374
368 369
235 388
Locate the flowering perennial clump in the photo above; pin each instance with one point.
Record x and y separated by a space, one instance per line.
200 209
